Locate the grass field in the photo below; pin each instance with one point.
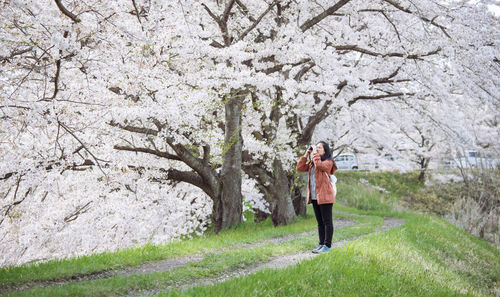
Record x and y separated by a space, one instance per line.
425 257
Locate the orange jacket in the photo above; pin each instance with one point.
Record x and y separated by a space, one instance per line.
324 190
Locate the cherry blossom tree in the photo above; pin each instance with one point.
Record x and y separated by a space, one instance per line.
129 93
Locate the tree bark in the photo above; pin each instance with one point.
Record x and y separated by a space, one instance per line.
299 194
229 213
275 187
424 163
260 216
283 212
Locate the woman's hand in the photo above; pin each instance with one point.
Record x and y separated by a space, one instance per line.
308 152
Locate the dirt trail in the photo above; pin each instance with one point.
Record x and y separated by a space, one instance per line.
159 266
279 262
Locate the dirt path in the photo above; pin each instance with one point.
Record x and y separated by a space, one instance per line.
279 262
159 266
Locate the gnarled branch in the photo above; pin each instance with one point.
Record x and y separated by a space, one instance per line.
145 150
377 97
388 79
135 129
244 9
15 53
66 12
376 54
319 116
190 177
331 10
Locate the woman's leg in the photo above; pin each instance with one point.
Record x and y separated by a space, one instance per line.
319 219
326 215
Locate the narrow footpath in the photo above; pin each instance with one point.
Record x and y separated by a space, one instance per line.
278 262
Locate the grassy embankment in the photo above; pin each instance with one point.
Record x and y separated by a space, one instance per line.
222 253
425 257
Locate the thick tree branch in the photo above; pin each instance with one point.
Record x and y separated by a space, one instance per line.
216 44
377 97
388 79
222 22
56 79
67 12
319 116
227 11
279 67
182 153
304 70
15 53
210 13
331 10
376 54
7 175
204 170
141 130
244 9
189 177
206 154
145 150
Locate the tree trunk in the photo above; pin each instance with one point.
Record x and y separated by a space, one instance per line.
259 215
421 176
299 194
231 208
283 212
276 190
424 163
217 213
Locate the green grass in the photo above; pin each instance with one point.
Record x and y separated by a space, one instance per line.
402 191
245 233
398 184
361 197
425 257
212 265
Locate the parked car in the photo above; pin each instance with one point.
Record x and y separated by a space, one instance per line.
346 162
474 159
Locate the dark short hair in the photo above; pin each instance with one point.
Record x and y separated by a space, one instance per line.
328 152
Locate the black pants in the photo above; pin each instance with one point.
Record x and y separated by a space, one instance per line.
323 213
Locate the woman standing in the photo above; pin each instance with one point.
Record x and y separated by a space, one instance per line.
320 191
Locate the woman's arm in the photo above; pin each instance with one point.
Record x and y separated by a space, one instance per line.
302 164
325 166
334 168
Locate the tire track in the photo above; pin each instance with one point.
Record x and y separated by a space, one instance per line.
157 266
278 262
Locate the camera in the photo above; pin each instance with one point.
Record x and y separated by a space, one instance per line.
310 148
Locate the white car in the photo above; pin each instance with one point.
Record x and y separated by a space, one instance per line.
474 159
346 162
